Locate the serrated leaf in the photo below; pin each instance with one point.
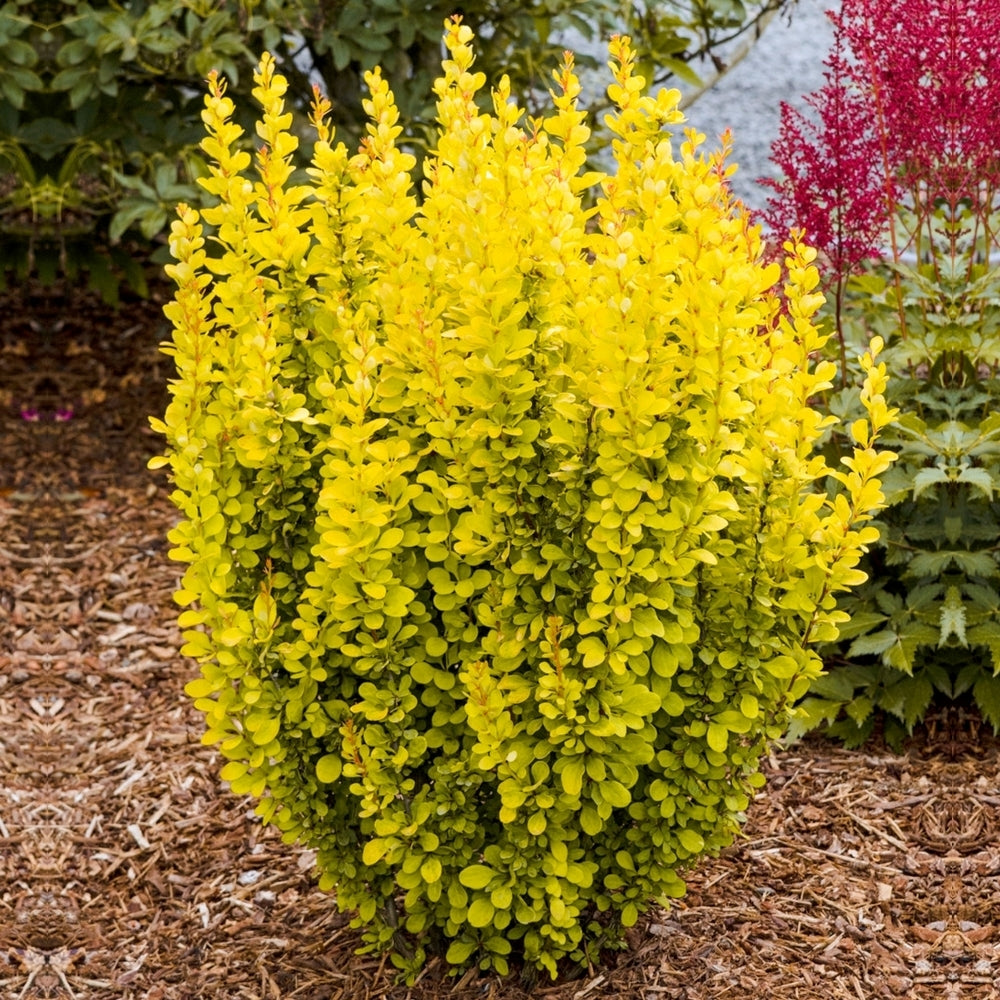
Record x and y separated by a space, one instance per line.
837 685
859 709
928 564
986 691
952 622
926 478
810 714
965 679
917 695
987 634
975 563
873 645
889 603
979 479
860 623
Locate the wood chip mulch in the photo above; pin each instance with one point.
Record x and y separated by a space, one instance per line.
128 872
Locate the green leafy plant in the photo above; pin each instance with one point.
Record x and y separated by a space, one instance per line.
902 155
99 103
925 625
505 555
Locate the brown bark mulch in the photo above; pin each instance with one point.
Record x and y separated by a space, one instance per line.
128 872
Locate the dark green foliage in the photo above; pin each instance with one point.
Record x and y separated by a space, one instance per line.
926 625
100 103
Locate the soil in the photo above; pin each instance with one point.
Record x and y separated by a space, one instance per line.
129 872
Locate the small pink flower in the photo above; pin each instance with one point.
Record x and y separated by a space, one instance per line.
64 413
30 413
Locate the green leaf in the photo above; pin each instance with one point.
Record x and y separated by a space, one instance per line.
918 694
590 821
952 617
200 687
810 714
373 851
986 634
673 704
459 952
986 691
859 709
718 737
860 623
975 563
639 700
430 870
481 912
966 678
476 876
328 768
266 732
572 776
979 479
233 770
928 564
783 667
230 636
837 685
615 794
691 840
873 645
926 478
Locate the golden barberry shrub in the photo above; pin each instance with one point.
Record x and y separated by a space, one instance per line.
506 548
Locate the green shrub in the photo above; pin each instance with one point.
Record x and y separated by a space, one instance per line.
895 172
924 626
505 554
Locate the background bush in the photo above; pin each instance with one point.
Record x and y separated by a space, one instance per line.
895 173
99 103
505 556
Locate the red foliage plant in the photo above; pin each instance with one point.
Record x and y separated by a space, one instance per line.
909 118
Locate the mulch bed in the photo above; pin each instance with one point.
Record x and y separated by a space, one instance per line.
128 872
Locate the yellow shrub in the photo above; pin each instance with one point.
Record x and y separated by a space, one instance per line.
505 550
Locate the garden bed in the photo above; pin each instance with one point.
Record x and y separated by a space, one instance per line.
127 871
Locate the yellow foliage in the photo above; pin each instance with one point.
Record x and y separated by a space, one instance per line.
502 514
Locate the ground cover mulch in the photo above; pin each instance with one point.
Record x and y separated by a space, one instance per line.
128 872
